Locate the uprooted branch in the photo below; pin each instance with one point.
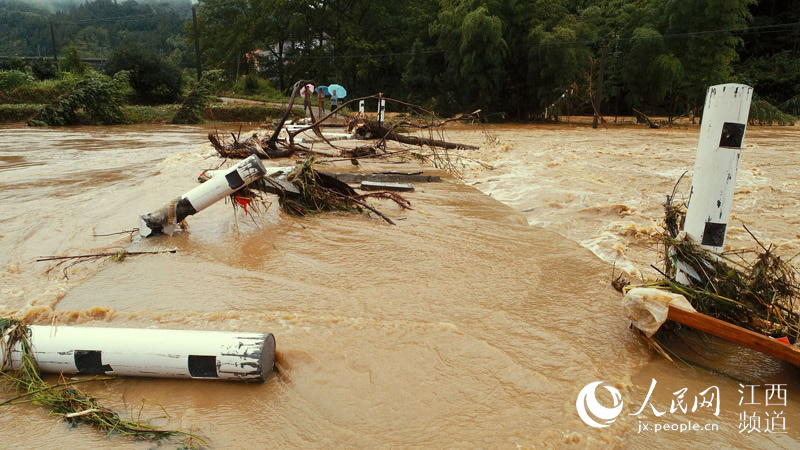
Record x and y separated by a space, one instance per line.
358 124
309 191
372 129
116 256
113 256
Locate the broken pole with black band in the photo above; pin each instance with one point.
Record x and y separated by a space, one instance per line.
718 151
146 352
725 115
167 218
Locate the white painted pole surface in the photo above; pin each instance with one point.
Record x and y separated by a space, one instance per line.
722 130
381 110
268 172
223 355
166 219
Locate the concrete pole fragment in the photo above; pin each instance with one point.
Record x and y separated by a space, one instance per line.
166 219
727 108
223 355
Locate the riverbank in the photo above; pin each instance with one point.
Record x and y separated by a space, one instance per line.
242 112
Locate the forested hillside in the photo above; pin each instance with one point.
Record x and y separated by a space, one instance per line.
94 27
519 59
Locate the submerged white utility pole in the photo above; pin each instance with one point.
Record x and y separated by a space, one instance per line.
722 130
222 355
166 219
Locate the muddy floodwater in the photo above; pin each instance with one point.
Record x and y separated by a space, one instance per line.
475 322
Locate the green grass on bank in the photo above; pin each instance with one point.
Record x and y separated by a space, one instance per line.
163 114
18 113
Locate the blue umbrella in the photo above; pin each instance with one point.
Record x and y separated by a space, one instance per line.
340 91
324 90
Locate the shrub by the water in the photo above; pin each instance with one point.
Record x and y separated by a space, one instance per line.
13 63
764 113
12 79
43 69
191 110
98 98
71 61
251 83
792 105
245 113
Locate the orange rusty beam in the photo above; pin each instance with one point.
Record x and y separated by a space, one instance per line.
738 335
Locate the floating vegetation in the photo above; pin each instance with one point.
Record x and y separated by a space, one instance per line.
318 192
63 398
757 293
322 192
113 256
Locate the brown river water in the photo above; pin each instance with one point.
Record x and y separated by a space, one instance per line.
473 323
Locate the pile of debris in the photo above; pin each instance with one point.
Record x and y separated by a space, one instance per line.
752 302
303 189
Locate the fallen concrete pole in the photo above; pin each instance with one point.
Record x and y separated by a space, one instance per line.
328 137
276 172
167 218
223 355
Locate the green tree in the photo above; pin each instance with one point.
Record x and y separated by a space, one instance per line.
652 72
197 100
473 45
702 38
154 78
557 57
416 78
71 61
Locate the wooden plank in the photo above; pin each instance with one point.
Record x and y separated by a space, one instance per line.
385 177
376 186
735 334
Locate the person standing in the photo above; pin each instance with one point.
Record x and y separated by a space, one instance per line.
334 100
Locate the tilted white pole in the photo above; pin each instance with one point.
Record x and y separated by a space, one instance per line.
223 355
722 130
165 219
